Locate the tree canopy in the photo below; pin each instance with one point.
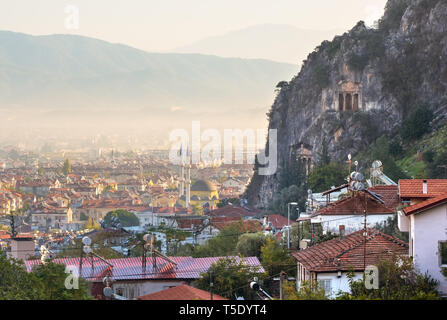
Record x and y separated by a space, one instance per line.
230 278
45 282
126 218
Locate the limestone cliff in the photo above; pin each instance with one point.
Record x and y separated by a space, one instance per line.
361 85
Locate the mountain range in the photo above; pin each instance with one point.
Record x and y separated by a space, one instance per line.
275 42
76 79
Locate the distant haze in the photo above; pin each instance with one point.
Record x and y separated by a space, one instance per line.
274 42
153 25
83 86
124 75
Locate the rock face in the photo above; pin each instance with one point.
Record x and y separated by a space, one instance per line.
361 85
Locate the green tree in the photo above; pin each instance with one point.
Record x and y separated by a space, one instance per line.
53 276
437 169
67 167
45 282
304 230
275 258
324 176
249 244
380 151
324 157
417 124
127 219
397 281
223 244
390 227
230 277
281 200
16 283
307 291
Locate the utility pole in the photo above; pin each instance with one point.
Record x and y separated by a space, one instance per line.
364 245
288 222
364 234
13 225
282 277
211 285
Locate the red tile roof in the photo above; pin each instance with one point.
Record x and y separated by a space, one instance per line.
181 292
347 254
389 194
355 205
425 205
279 221
248 225
412 188
131 268
232 211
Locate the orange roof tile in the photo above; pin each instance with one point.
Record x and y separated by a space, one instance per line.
181 292
348 253
425 205
355 205
412 188
279 221
389 194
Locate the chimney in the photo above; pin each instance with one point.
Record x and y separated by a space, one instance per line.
341 230
424 187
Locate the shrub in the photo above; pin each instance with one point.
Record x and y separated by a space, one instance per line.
357 61
417 124
321 75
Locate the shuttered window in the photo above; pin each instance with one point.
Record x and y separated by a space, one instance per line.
443 253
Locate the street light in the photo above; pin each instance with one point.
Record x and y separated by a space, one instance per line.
288 222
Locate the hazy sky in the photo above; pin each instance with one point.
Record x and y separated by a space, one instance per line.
163 25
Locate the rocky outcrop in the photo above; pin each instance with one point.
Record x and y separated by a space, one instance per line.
361 85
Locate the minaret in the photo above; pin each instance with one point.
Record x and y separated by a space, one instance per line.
182 180
188 180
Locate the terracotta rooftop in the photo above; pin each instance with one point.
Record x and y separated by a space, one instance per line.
425 205
413 188
389 194
232 211
355 205
347 254
181 292
279 221
248 225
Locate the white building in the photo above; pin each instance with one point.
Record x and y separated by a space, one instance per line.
426 223
330 262
350 213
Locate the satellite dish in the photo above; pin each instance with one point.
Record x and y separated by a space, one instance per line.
87 249
86 241
377 164
108 292
359 176
147 238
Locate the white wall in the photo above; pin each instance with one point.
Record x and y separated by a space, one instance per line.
338 284
428 228
352 223
135 289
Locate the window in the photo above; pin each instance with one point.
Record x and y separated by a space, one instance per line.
326 285
443 253
119 291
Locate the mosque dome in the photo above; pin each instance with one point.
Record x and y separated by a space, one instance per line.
203 185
